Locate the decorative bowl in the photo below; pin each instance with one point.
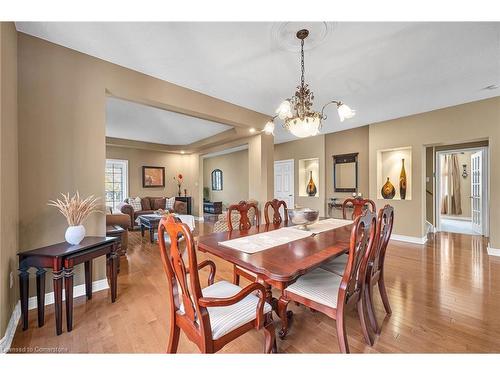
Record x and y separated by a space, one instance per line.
303 217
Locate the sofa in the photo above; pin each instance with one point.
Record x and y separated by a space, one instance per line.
117 218
148 206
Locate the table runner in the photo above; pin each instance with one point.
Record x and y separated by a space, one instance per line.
324 225
262 241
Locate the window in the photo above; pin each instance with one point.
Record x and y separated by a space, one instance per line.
217 179
116 180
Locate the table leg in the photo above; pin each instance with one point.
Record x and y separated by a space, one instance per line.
23 293
40 295
152 234
113 268
68 287
57 275
142 229
88 279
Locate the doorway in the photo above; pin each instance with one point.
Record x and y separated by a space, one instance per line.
284 181
461 204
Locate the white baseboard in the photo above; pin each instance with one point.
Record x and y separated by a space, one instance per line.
493 251
78 291
416 240
6 340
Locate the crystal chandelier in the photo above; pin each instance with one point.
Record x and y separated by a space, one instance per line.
296 113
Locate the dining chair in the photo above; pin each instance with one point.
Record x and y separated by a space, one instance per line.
337 265
375 272
245 223
333 294
358 205
276 204
213 316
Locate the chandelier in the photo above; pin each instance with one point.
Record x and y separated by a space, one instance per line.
296 113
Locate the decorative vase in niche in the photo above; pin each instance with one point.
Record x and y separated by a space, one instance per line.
402 181
74 234
179 191
311 187
388 191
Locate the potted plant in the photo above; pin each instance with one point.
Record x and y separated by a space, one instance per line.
75 210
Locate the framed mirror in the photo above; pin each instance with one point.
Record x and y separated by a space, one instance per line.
345 173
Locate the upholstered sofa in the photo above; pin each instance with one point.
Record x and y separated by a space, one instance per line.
122 220
148 206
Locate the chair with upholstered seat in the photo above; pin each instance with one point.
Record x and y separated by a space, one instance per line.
243 209
375 272
276 204
358 205
213 316
332 294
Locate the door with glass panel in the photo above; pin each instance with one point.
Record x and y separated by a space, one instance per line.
476 192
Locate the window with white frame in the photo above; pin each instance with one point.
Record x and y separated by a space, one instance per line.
116 177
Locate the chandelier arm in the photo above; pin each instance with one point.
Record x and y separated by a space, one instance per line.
337 102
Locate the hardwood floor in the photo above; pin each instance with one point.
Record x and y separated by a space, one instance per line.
444 297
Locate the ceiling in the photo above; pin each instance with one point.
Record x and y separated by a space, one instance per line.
384 70
138 122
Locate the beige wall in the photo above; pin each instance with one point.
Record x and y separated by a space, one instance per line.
9 203
306 148
346 142
62 97
234 167
459 124
174 164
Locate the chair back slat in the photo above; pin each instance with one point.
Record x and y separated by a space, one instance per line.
276 204
182 287
359 205
242 208
361 242
385 222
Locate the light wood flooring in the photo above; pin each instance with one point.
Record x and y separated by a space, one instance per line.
445 297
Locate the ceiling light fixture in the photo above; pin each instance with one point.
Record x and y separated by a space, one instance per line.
251 130
183 152
296 112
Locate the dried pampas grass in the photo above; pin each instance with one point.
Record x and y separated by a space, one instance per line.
75 209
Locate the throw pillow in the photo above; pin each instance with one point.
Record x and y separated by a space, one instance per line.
146 204
158 203
135 203
180 208
169 203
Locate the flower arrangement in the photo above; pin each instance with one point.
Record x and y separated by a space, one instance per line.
76 209
178 180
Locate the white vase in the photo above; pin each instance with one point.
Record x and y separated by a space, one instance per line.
75 234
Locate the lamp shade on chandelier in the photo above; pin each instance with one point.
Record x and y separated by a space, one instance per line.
296 112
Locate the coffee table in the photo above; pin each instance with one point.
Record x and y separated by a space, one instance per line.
149 222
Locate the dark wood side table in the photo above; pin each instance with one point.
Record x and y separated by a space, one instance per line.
54 256
116 231
149 222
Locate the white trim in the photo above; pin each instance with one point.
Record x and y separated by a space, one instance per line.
6 340
199 218
226 151
401 238
429 228
492 251
78 291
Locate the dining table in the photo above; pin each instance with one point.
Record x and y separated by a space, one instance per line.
279 266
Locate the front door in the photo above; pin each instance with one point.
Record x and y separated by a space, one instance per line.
284 181
476 192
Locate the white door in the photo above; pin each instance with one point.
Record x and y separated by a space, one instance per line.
476 192
283 181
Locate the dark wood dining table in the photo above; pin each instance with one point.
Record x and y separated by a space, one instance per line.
279 266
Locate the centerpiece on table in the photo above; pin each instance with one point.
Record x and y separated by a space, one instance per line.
178 180
76 210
